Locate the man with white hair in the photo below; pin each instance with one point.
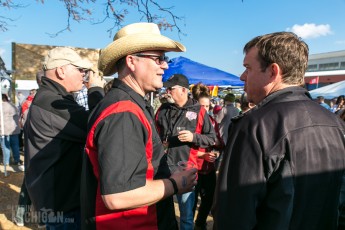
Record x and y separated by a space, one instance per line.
184 144
55 134
125 183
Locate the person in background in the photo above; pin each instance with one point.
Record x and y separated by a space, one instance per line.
284 160
19 100
238 104
245 104
206 164
25 107
183 144
321 101
226 114
55 134
24 201
108 86
339 104
216 110
10 132
156 101
126 183
81 97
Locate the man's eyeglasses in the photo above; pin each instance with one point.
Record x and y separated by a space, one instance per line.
159 59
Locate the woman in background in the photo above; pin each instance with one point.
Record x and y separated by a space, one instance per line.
206 163
339 104
10 132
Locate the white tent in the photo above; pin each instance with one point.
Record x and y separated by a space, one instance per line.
330 91
24 86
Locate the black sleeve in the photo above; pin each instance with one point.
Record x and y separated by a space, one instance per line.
121 139
95 95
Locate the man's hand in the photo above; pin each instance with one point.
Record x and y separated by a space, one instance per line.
185 180
185 136
95 80
210 157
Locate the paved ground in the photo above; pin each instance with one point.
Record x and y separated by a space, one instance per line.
9 190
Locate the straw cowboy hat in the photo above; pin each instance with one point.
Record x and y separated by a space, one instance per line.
135 38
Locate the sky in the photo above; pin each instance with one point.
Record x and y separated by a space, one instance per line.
215 31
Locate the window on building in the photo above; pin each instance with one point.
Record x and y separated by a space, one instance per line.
329 66
342 65
312 67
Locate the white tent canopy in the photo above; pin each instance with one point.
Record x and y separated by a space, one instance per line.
329 91
26 84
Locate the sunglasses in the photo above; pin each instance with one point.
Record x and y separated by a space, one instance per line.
159 59
81 69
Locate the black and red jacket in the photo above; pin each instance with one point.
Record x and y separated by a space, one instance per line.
194 118
123 150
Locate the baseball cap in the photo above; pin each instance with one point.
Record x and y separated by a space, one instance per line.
61 56
177 79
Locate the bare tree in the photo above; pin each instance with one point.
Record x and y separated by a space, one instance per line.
5 21
114 11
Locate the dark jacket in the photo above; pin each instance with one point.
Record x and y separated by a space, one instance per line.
194 118
282 167
55 135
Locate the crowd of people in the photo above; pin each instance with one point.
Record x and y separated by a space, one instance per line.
105 158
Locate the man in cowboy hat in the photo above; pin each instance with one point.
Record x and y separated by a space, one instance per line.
55 134
126 182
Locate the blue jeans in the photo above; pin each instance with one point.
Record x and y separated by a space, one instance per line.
186 204
8 143
65 221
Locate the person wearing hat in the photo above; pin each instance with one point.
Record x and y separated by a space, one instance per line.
226 114
125 183
183 145
55 135
245 104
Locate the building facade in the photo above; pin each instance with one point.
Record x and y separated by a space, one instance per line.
324 69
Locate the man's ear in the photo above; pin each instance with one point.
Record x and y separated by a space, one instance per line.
60 72
275 72
130 62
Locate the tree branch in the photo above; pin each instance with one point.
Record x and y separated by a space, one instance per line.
115 11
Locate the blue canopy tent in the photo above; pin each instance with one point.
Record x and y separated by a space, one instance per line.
197 72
